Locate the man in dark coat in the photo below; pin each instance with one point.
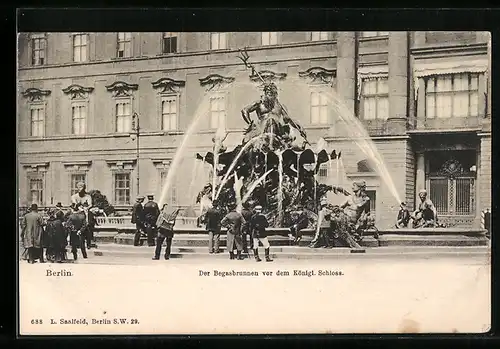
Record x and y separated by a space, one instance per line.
233 222
213 219
138 219
165 224
91 222
403 216
245 231
76 225
32 234
301 221
151 213
258 225
57 237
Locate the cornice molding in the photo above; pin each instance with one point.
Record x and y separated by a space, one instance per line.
436 51
77 163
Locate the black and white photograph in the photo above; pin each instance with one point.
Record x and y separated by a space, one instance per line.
254 182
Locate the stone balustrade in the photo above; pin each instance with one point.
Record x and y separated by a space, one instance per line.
124 222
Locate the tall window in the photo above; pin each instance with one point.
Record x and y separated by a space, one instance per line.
172 193
75 179
79 115
269 38
323 173
35 194
375 95
124 45
319 36
123 116
122 188
452 96
37 121
319 108
372 194
218 41
374 34
170 42
80 48
169 113
217 110
38 46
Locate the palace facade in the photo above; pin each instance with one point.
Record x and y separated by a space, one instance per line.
423 97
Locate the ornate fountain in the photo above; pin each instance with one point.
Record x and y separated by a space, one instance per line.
275 166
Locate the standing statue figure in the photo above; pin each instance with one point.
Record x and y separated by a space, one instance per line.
272 116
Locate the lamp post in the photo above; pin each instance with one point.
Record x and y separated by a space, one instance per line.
134 135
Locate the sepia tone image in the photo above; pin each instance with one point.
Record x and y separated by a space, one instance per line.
306 182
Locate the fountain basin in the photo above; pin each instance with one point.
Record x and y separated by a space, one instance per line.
185 236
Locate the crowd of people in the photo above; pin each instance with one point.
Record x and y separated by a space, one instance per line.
46 237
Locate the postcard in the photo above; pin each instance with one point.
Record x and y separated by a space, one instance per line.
254 182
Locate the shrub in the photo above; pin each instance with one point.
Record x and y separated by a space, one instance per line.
101 201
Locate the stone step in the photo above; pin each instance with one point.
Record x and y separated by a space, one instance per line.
432 240
194 240
293 252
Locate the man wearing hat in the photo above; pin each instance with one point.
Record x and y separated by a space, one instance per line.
138 219
233 221
213 226
258 225
245 229
77 226
32 234
403 216
151 213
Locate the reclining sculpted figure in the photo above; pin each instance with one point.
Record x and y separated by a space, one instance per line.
425 216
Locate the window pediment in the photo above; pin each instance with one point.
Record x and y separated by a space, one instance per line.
35 94
83 165
122 89
319 75
168 85
268 76
162 163
120 165
36 167
77 91
215 81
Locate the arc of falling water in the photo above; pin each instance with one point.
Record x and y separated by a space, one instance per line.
233 164
195 176
254 185
315 178
200 111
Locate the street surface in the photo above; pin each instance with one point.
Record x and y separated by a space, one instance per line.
203 295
